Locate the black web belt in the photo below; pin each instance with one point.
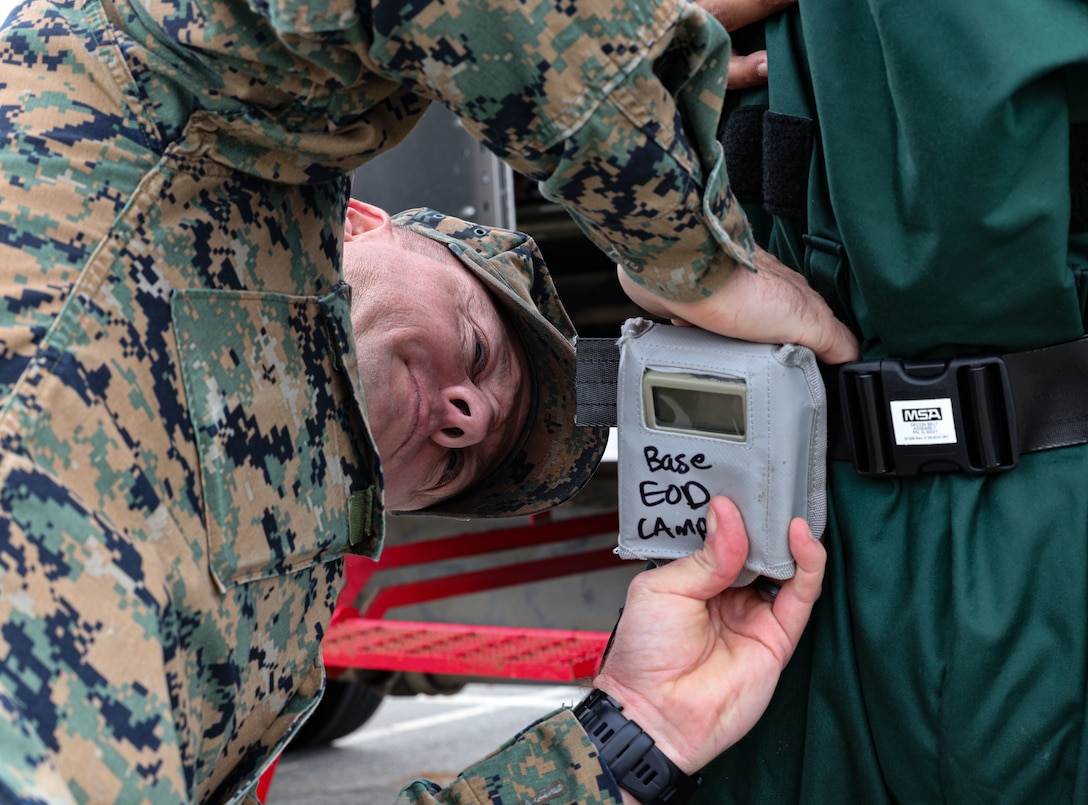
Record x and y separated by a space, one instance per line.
992 408
1001 407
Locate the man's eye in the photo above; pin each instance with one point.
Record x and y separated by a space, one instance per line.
479 357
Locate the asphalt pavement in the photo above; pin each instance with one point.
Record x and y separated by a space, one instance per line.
413 736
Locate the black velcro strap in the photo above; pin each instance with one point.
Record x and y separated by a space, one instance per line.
768 156
787 156
596 381
1046 390
1078 177
742 144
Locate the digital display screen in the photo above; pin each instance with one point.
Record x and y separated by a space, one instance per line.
697 404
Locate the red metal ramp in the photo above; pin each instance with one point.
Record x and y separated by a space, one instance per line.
545 655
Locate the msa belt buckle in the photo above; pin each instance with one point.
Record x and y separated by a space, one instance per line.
906 417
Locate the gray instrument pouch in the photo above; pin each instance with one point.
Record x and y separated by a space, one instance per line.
700 415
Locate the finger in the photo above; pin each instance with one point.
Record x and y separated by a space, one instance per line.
793 605
714 567
834 344
774 305
747 71
813 325
734 14
831 341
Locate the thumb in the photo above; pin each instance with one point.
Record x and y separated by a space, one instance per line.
704 573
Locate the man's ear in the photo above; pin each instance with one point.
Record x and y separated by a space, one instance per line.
365 222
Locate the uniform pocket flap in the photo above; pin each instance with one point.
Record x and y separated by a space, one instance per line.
278 429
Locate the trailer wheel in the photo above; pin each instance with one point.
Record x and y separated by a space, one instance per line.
344 708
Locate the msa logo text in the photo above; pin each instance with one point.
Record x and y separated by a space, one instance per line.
922 414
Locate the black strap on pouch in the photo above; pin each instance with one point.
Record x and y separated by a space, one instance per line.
596 380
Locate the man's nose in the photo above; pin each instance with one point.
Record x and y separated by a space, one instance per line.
466 417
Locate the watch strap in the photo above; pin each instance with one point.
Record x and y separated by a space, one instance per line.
639 766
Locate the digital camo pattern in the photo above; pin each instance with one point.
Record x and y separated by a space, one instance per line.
181 430
613 106
551 762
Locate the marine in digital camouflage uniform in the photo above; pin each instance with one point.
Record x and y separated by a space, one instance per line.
184 451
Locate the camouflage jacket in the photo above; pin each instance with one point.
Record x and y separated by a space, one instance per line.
184 454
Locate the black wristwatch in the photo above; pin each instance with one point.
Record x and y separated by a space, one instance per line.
629 753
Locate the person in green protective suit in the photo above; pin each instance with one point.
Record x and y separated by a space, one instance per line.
925 166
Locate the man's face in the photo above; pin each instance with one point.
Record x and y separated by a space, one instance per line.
446 382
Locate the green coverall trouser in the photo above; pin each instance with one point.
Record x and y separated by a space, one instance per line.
946 659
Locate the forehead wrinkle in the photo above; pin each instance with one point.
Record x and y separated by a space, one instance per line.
422 245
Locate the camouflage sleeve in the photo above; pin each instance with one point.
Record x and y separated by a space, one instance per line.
613 105
550 762
27 772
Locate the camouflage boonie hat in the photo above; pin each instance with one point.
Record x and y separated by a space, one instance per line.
555 458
